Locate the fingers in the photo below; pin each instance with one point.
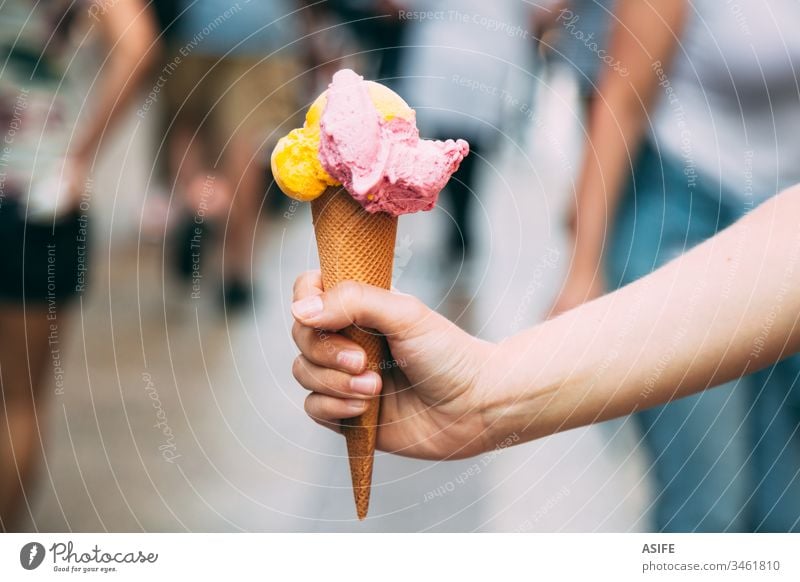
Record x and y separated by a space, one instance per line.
335 394
321 347
328 411
363 305
335 383
331 366
328 349
307 284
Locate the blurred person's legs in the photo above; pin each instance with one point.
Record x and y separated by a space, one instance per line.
201 195
240 230
261 98
42 267
233 108
776 457
699 451
24 349
460 192
700 445
194 132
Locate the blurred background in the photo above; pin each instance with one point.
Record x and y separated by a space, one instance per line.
163 398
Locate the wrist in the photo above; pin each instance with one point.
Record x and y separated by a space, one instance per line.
539 384
507 402
489 400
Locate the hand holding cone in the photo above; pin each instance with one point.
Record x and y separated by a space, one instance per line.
364 136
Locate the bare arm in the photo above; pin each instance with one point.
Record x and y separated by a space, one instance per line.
128 34
642 33
726 308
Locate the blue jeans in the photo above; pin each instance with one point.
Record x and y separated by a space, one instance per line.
727 459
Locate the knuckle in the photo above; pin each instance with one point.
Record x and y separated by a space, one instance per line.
414 306
303 283
350 293
310 406
298 368
314 408
324 346
297 334
412 311
297 286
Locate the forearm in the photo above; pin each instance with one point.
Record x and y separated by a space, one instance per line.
605 168
128 33
726 308
641 34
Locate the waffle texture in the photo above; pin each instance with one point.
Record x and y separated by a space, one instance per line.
355 245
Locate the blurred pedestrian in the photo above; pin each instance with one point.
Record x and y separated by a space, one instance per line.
378 27
575 35
460 72
51 138
703 119
231 80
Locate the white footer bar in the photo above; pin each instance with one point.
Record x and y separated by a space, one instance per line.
401 557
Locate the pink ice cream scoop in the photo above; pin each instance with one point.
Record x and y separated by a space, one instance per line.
381 160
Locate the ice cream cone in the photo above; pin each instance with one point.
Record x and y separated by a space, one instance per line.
355 245
363 135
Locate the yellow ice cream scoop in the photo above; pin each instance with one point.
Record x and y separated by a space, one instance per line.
295 160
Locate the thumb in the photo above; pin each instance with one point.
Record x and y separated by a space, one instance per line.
351 303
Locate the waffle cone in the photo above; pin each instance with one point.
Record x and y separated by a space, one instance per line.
355 245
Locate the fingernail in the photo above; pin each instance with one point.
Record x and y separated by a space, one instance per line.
356 405
366 383
308 308
351 360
